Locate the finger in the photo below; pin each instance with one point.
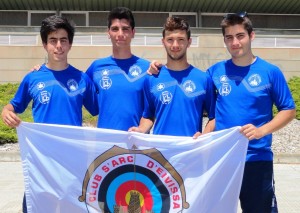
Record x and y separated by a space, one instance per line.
158 64
196 135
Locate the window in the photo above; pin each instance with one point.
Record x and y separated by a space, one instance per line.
14 18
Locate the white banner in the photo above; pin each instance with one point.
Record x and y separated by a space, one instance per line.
77 169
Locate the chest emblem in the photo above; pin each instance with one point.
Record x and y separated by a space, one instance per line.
254 80
72 85
135 71
166 97
189 86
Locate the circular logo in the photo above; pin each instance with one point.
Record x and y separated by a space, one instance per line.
72 85
189 86
254 80
122 182
135 70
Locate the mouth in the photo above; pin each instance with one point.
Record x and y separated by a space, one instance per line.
58 53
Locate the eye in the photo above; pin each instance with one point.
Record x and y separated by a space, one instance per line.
228 38
126 29
114 29
52 41
240 36
64 40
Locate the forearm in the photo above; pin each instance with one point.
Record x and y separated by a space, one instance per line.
279 121
145 125
210 126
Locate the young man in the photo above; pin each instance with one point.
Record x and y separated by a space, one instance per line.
119 78
247 87
58 90
177 97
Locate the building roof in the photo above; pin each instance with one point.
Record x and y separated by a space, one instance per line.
204 6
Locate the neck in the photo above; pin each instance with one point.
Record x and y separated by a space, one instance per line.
244 61
57 66
121 53
177 65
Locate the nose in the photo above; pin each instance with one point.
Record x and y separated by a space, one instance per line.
58 43
235 41
120 32
175 43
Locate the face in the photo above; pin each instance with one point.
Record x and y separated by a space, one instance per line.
120 33
58 45
238 41
176 44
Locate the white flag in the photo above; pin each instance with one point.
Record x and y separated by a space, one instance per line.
77 169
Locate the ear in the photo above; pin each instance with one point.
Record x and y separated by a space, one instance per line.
252 35
162 41
108 35
45 46
133 33
190 42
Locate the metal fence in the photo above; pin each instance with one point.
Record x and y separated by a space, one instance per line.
143 40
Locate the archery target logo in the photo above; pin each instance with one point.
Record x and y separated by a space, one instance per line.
122 180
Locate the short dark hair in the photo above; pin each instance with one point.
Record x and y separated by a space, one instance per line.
237 18
176 23
121 13
54 23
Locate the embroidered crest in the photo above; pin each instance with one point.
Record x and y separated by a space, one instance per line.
72 85
254 80
189 86
135 70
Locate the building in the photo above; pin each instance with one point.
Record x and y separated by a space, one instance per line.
276 23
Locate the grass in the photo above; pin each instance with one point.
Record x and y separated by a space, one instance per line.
7 91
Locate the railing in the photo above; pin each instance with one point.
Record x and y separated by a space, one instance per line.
144 40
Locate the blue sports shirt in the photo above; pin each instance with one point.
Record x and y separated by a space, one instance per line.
177 100
246 96
58 96
119 83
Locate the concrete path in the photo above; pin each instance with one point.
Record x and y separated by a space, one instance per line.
287 177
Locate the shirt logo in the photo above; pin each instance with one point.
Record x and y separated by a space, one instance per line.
72 85
189 86
166 97
223 79
105 82
225 89
254 80
105 72
160 86
44 97
135 70
40 85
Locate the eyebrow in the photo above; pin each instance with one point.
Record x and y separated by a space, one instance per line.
58 38
241 33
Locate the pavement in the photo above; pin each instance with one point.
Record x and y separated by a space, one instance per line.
286 171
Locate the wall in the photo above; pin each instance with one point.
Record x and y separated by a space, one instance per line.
16 61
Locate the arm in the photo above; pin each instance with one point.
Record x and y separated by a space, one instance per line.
144 127
279 121
9 116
